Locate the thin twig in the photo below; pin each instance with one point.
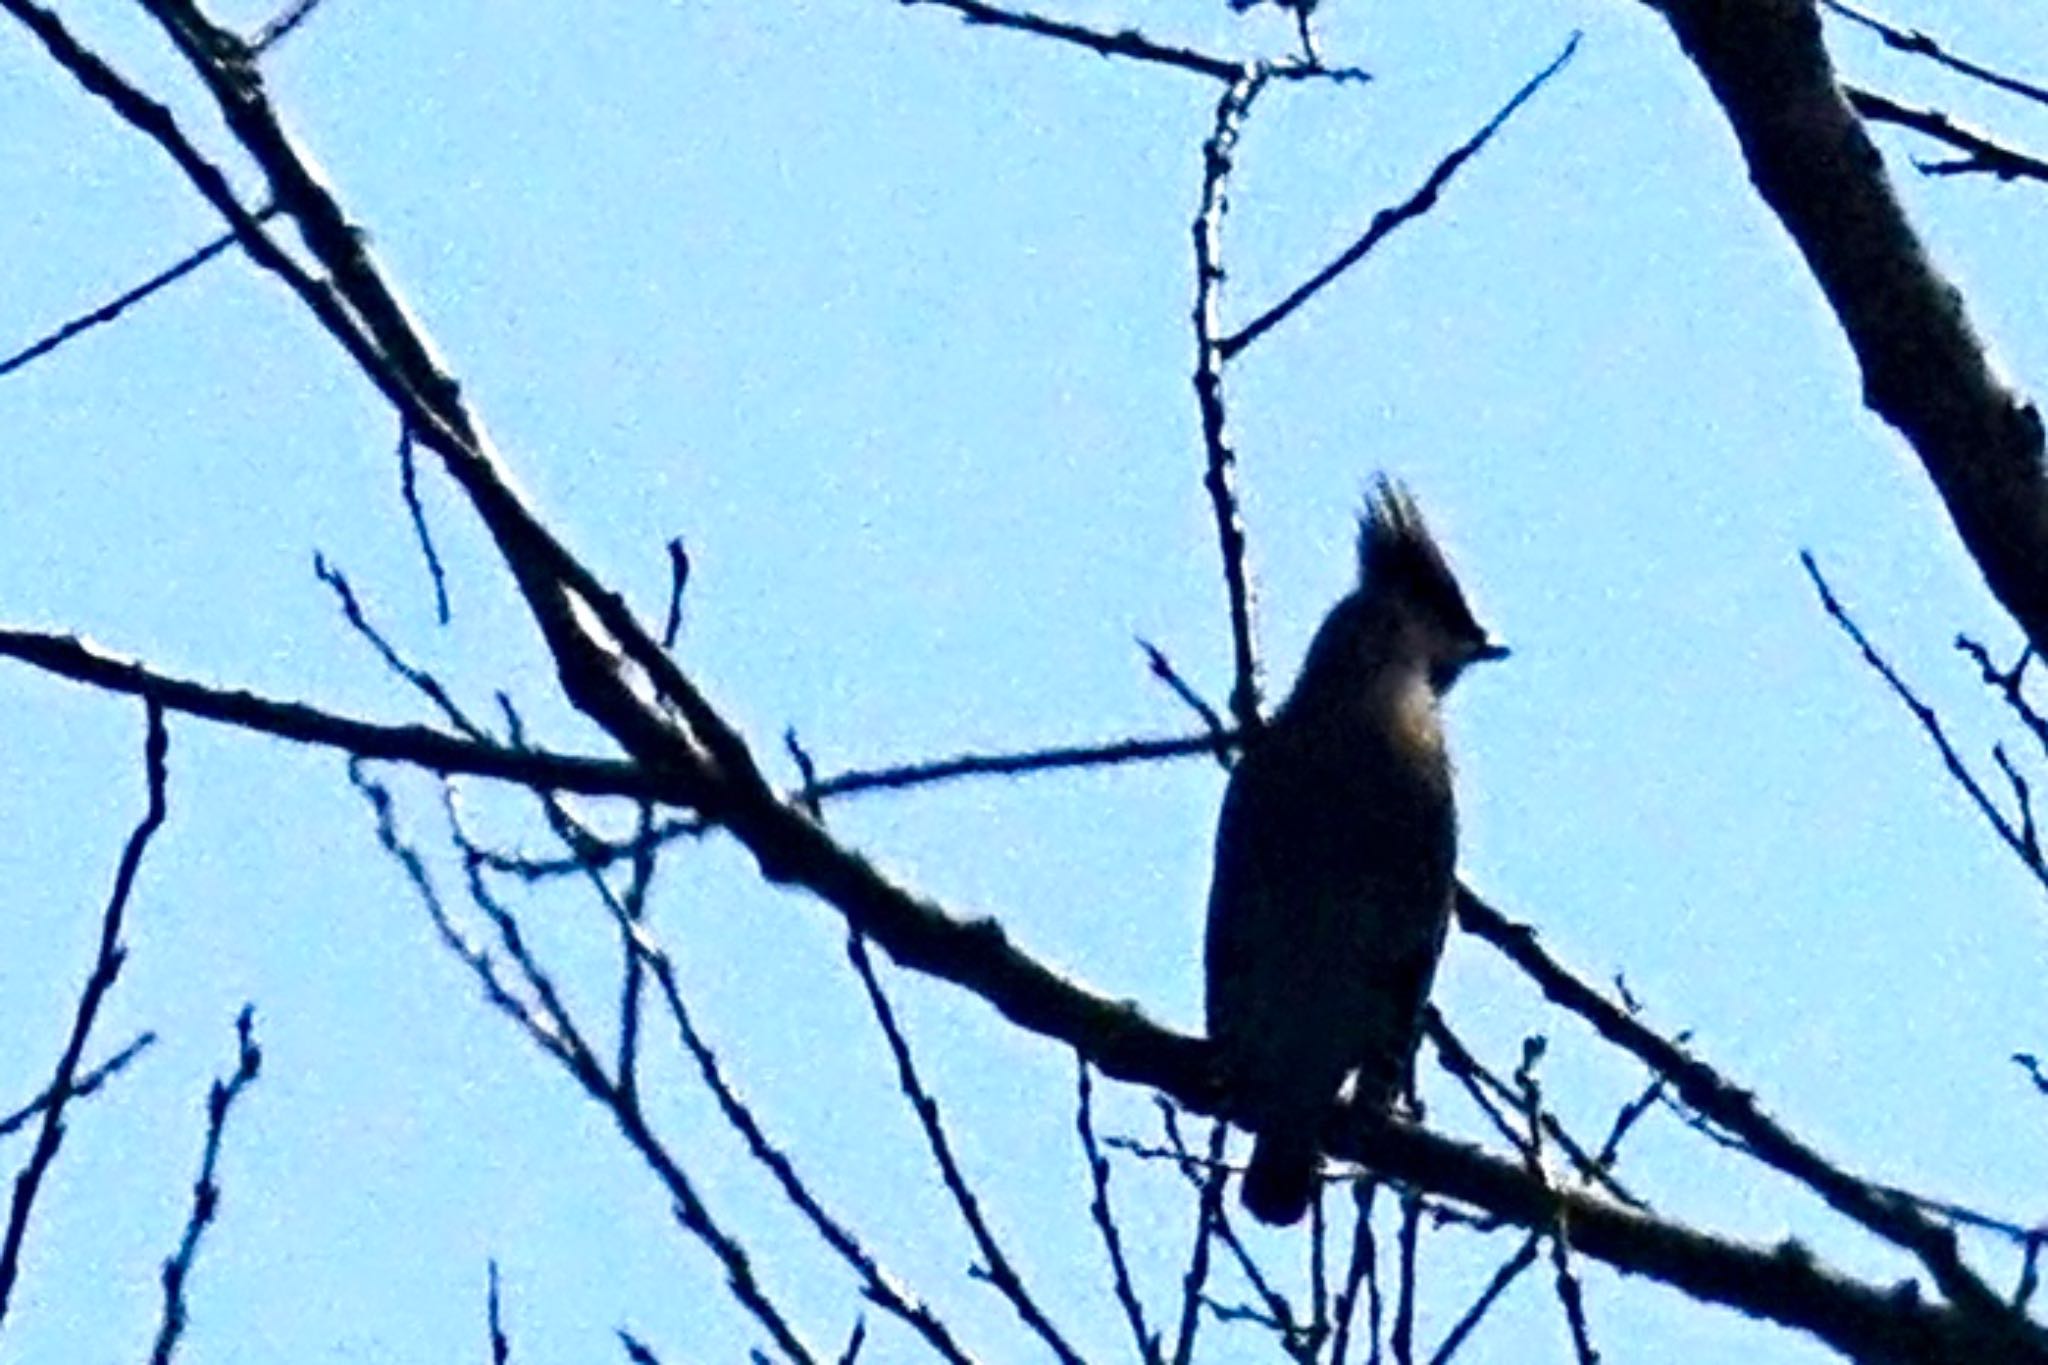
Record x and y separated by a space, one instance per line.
1736 1109
206 1190
409 489
1305 30
1105 1218
997 1267
479 961
1466 1069
1572 1297
630 780
1918 43
1402 1340
419 679
1273 1309
632 910
1386 221
2010 685
1162 668
1509 1271
501 1345
434 750
905 776
1485 1088
1625 1120
678 581
2030 1275
106 967
2023 797
1928 721
121 303
550 1029
1362 1271
1219 478
276 31
85 1085
438 752
1128 43
1983 156
553 1015
876 1282
156 122
806 771
637 1351
1208 1212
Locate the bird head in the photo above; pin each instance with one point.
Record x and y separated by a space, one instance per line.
1406 583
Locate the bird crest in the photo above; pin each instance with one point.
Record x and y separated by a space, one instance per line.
1397 554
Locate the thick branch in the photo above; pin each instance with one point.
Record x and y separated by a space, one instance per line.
1782 1285
1924 369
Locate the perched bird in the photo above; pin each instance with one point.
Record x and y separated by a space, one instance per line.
1335 859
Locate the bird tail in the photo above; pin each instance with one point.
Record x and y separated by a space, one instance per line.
1282 1176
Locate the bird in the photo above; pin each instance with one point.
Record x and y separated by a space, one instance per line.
1335 861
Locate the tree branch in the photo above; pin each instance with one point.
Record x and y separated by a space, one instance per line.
99 981
1925 371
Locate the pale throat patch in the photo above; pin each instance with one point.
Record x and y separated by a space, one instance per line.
1411 708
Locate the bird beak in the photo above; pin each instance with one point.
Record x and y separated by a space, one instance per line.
1490 650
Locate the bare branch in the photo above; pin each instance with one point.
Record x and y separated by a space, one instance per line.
997 1267
637 1350
1486 1088
1218 159
2008 683
121 303
877 1283
501 1345
1893 1219
1387 221
421 747
1104 1218
1572 1298
267 37
609 666
1361 1272
1273 1310
1402 1339
678 580
419 679
550 1028
409 489
1625 1120
1983 155
1508 1272
1129 43
2014 839
1918 43
1208 1212
1924 369
1162 668
1058 759
206 1190
479 961
106 967
83 1086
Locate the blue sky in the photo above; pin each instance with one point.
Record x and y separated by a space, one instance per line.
887 317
